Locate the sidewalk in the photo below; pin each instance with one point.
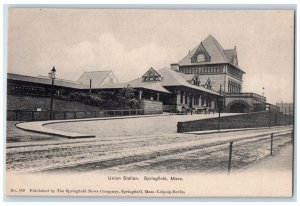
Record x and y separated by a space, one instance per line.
39 126
281 160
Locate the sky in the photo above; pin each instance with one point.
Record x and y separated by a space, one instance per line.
130 41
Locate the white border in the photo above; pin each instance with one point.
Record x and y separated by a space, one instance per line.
213 4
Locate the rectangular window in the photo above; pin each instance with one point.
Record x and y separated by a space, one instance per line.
196 100
181 98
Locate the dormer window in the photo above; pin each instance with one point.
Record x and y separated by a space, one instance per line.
200 58
196 80
200 55
151 75
208 84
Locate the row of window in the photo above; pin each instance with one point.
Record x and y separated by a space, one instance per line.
204 101
192 70
151 78
234 87
25 89
31 90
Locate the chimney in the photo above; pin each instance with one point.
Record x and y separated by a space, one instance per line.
175 67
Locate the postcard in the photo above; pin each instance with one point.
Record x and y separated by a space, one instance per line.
150 102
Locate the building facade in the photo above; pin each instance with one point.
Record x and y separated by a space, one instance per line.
215 68
206 79
286 108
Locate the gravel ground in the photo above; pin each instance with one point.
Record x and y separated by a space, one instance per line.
152 144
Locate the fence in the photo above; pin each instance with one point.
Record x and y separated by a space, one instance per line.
238 154
23 115
246 120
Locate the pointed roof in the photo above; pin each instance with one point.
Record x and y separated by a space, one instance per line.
97 77
190 77
170 78
229 53
173 78
151 71
214 49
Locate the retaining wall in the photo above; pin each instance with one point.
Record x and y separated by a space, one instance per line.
151 106
247 120
17 102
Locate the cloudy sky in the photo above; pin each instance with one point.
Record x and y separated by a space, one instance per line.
129 42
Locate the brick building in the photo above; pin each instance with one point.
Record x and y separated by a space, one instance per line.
210 66
206 76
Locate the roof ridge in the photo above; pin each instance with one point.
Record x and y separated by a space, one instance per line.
104 78
219 47
97 71
85 72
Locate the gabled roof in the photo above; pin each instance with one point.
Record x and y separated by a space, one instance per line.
173 78
170 78
229 53
154 86
190 77
152 72
216 52
213 48
97 77
46 80
187 77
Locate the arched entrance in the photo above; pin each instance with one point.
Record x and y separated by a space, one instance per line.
238 107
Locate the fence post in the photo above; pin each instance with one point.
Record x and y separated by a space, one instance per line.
32 116
271 144
230 156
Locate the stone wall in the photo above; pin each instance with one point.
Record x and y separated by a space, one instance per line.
248 120
17 102
215 79
151 106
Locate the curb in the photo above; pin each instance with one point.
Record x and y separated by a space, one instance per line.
38 126
227 130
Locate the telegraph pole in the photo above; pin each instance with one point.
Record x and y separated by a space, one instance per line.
219 108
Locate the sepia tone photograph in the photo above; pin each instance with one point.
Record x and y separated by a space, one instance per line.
150 102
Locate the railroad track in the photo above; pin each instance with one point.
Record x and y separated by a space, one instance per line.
151 153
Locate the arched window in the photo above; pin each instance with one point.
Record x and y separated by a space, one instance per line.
200 58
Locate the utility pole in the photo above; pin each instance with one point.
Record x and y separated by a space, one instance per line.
52 76
90 86
219 108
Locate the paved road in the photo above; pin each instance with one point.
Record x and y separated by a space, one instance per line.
153 144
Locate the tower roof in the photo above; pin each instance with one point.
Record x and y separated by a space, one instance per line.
216 52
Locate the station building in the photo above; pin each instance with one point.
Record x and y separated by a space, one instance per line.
208 74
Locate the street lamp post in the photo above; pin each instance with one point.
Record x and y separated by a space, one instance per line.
219 108
52 76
